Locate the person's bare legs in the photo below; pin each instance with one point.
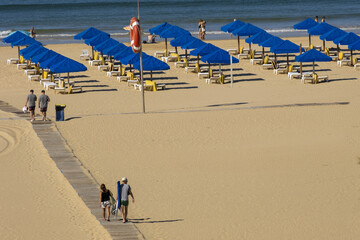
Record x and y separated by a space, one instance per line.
32 113
108 212
126 212
104 213
122 208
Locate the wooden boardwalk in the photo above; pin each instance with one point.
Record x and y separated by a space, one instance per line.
78 176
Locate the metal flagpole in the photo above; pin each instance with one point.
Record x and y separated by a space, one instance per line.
231 71
141 63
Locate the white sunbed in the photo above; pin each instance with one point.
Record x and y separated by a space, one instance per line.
12 60
84 54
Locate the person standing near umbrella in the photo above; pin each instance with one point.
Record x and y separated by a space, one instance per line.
323 19
316 19
32 33
43 104
30 103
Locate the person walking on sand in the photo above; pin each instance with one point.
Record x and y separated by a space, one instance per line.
105 201
323 19
30 104
316 19
124 201
202 29
43 104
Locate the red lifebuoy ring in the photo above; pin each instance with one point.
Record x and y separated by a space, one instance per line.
135 35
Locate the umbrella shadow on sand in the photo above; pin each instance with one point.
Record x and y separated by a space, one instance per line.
249 80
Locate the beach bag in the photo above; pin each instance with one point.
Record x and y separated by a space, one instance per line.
113 208
25 109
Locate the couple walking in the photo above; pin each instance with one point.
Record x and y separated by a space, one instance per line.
106 194
31 103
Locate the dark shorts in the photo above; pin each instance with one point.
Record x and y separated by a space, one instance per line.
31 108
43 109
124 203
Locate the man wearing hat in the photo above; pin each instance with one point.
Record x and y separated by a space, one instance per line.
125 192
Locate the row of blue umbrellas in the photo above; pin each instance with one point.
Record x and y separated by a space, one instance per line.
19 39
102 42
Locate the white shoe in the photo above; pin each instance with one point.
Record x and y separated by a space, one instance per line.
32 120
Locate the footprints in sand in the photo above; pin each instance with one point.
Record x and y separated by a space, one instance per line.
8 139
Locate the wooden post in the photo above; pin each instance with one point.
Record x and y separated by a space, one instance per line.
301 62
238 44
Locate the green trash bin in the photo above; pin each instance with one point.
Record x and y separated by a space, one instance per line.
60 115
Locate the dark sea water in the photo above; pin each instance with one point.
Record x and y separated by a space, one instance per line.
58 20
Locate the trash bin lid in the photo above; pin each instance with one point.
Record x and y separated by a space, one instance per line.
60 105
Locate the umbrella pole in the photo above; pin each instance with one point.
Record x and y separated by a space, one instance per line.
19 52
209 71
151 75
301 62
287 61
92 51
176 50
313 68
231 71
198 59
68 79
185 53
166 51
249 47
323 45
338 49
309 40
238 44
351 61
275 60
263 53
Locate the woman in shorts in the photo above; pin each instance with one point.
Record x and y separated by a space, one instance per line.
105 201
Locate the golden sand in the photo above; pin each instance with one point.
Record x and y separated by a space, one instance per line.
270 158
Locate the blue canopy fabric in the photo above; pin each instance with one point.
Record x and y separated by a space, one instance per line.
26 41
285 47
247 30
204 50
151 63
320 29
158 29
111 51
182 40
220 57
332 34
347 39
312 55
52 61
259 37
354 45
14 37
195 43
271 42
89 33
101 37
106 44
67 65
133 58
230 27
306 24
173 32
122 54
31 54
43 56
29 49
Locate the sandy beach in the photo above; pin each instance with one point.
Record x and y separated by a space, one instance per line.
269 158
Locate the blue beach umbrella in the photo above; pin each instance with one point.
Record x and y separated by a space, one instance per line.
89 33
354 45
285 47
158 29
271 42
321 29
111 51
259 38
14 37
29 49
195 43
332 34
347 39
305 25
122 54
204 50
52 61
44 56
220 57
232 26
106 44
133 58
97 39
313 56
67 66
25 41
246 30
31 54
172 32
182 40
151 63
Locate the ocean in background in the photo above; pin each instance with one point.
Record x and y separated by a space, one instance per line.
58 21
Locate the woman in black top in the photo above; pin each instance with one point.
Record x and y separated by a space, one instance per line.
105 200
